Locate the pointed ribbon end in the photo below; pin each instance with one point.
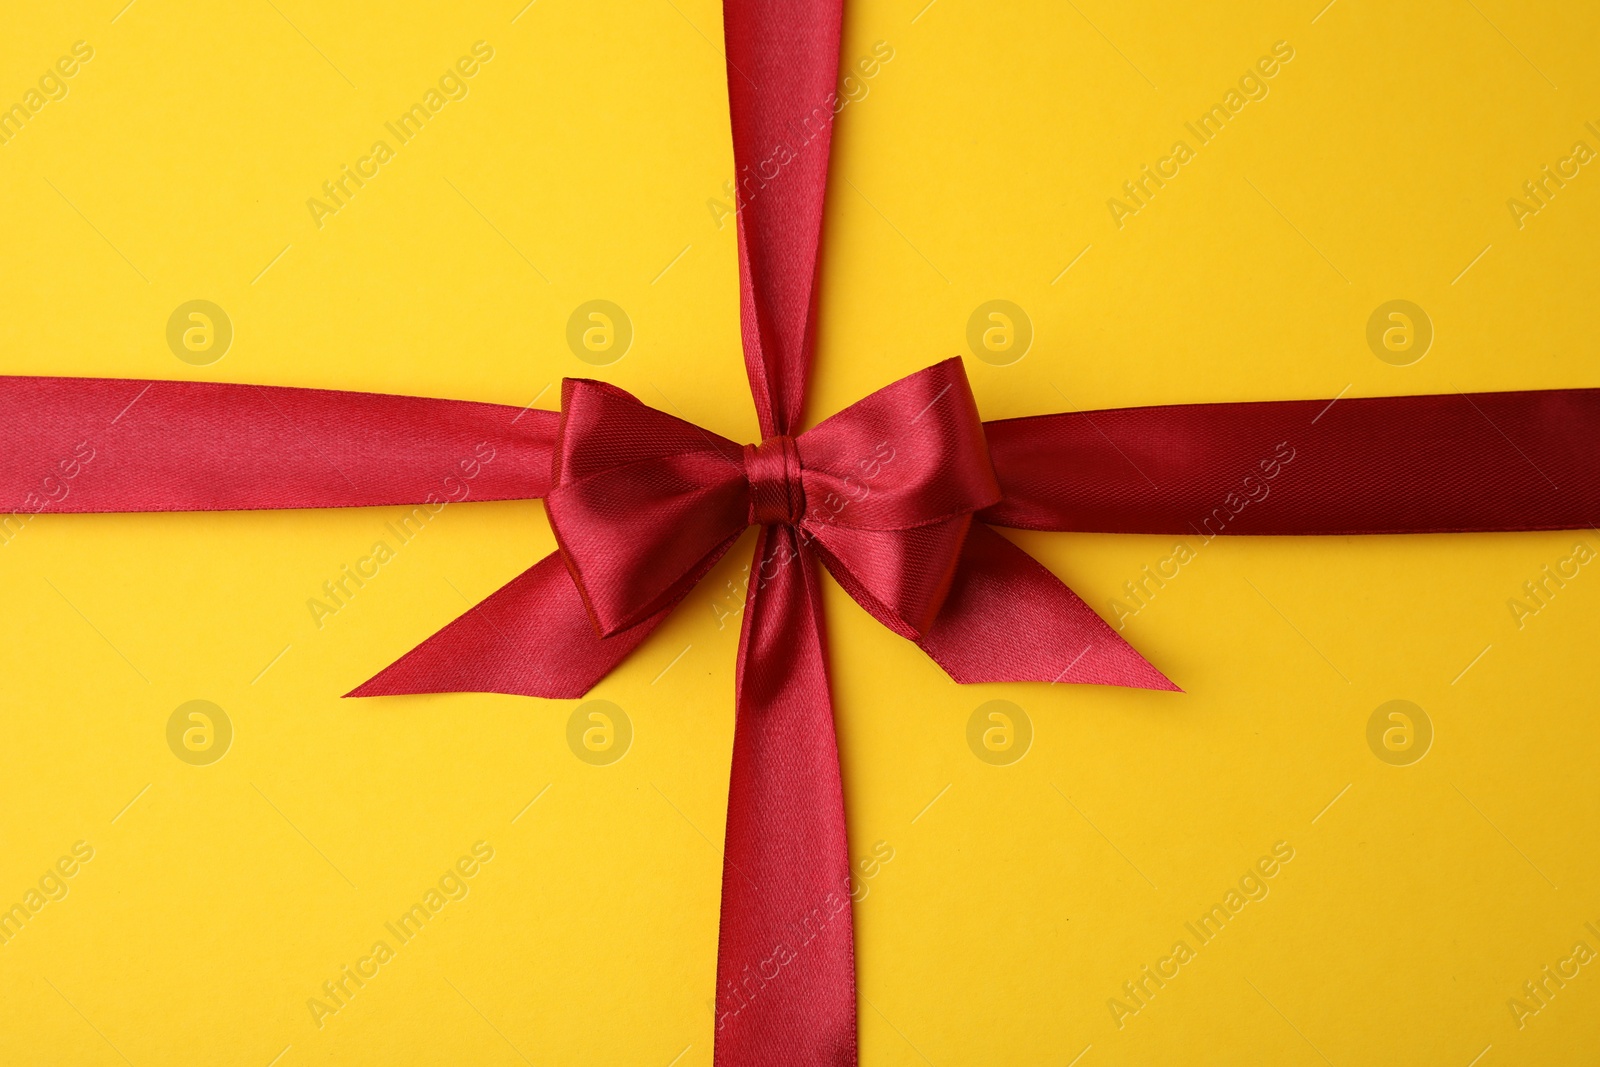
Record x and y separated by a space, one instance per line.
1132 671
1008 619
382 685
532 637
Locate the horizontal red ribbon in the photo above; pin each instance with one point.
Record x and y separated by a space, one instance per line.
1453 462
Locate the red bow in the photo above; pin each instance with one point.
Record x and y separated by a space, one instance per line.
644 504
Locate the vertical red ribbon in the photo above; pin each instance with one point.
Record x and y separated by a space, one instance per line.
785 960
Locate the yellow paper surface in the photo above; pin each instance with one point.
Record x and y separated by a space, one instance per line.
1002 905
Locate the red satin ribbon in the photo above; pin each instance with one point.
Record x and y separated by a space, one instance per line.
892 495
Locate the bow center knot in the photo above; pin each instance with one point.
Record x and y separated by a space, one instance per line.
776 493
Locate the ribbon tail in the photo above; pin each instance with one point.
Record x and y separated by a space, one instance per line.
531 637
113 444
1452 462
1008 619
786 917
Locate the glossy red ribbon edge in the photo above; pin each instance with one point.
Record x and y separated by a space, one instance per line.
786 981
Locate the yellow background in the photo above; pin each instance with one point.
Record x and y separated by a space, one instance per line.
1020 898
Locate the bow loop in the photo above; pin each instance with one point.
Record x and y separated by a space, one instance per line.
891 483
910 454
643 503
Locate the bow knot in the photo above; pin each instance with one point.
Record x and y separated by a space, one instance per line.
777 494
